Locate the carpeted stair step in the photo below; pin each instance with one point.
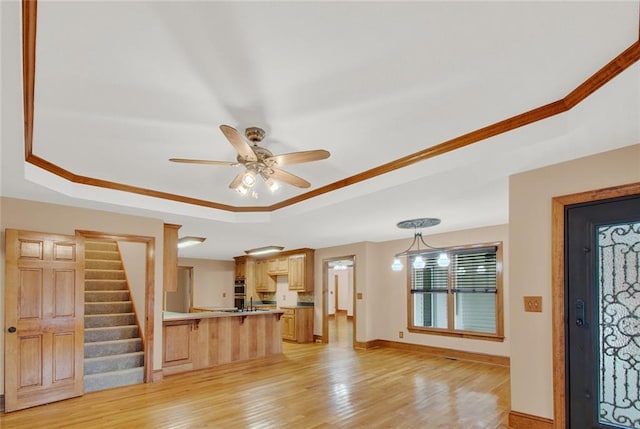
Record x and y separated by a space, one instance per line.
104 274
110 333
102 254
110 246
100 364
108 380
115 347
105 284
102 264
106 320
108 307
106 296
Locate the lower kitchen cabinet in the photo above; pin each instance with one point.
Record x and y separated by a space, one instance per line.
297 324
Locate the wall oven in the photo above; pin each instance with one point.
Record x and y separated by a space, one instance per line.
239 294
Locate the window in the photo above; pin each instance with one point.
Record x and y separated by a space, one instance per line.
463 299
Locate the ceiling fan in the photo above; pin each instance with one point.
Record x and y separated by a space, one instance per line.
259 161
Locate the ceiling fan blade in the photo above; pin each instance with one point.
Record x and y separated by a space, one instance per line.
289 178
298 157
238 142
236 180
203 161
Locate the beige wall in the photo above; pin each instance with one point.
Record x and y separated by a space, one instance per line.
211 279
530 197
382 312
361 279
51 218
134 259
388 294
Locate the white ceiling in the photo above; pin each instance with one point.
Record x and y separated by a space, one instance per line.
123 86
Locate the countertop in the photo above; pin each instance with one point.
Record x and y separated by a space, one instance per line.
295 306
168 316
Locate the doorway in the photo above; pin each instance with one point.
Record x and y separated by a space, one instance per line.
338 318
596 300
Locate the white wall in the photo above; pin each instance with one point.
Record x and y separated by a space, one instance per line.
53 218
212 281
530 196
135 262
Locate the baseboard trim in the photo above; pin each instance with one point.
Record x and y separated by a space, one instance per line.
518 420
363 345
1 403
318 338
442 352
157 375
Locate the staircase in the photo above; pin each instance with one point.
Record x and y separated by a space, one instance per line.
113 353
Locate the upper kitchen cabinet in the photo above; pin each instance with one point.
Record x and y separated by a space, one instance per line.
263 281
278 266
241 267
301 271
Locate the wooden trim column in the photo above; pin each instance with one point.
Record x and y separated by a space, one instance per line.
170 261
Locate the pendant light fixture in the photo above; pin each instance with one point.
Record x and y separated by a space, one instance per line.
418 261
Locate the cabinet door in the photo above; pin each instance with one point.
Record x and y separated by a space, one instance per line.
289 325
241 267
296 273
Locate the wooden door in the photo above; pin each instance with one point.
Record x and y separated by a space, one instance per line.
44 318
603 300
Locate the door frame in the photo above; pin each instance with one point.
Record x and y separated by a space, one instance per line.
558 286
325 293
149 294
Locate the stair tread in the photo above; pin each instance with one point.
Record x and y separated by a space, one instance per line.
109 314
110 327
120 371
115 356
107 342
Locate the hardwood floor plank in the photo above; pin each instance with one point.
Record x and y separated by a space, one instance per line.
308 386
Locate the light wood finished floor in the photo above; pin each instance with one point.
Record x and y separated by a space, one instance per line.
309 386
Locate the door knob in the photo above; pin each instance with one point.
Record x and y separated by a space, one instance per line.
11 329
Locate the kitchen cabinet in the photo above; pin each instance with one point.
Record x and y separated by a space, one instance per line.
177 351
297 324
241 267
300 273
263 281
278 266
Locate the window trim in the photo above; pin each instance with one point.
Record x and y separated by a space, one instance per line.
450 331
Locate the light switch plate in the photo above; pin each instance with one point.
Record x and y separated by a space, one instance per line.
359 295
533 304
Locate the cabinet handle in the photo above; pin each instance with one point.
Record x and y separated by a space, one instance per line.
11 329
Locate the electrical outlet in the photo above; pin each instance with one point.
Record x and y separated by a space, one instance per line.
401 334
359 295
533 304
284 297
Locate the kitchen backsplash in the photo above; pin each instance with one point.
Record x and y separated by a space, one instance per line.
306 297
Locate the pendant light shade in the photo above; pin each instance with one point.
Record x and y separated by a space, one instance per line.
419 261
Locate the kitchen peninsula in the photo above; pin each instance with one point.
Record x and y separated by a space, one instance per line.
200 340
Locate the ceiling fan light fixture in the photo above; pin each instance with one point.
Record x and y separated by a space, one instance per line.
249 179
272 185
242 190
